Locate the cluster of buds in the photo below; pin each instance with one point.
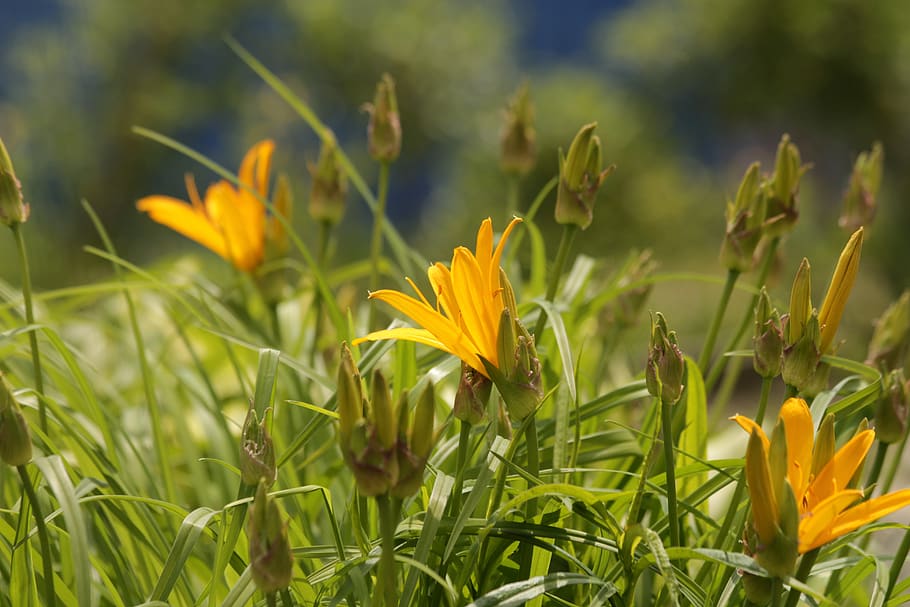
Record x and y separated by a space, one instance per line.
271 559
15 441
581 174
888 351
330 184
810 333
257 454
13 210
768 338
384 129
666 363
859 200
518 151
384 448
518 375
762 207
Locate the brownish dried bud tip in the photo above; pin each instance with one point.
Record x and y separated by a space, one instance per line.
384 130
330 184
519 140
257 454
13 209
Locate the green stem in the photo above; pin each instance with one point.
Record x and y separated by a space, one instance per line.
461 460
527 550
805 566
748 317
880 453
30 319
565 245
286 600
46 555
376 243
776 593
386 591
666 415
325 229
719 313
897 564
895 464
270 599
512 194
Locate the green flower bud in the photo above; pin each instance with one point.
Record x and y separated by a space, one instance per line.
415 448
768 339
384 415
891 411
330 184
666 365
472 396
580 177
271 559
891 338
859 200
802 357
518 142
349 396
745 220
800 303
257 454
13 209
759 590
15 440
824 446
783 189
518 376
384 130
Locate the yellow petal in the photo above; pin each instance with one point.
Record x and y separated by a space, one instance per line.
244 244
254 169
484 249
815 526
471 295
857 516
834 477
497 255
750 426
421 336
761 489
186 220
800 431
441 281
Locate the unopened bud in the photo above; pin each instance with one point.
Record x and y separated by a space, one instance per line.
768 339
414 448
891 411
383 413
472 395
384 130
859 200
891 338
783 189
349 396
666 365
839 290
800 303
271 559
802 358
15 440
518 376
518 142
330 184
759 590
13 209
257 454
745 220
581 174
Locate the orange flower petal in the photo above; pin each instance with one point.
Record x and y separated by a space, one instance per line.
815 525
800 432
471 295
185 220
838 472
421 336
749 425
244 245
860 514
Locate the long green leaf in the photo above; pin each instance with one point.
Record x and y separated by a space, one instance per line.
517 593
187 536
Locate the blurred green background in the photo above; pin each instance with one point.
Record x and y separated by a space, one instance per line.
686 93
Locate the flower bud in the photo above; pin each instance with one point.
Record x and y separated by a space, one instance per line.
745 220
383 413
518 141
800 303
802 358
15 440
891 338
349 396
330 184
257 454
768 339
666 364
859 200
759 590
783 189
271 559
518 376
384 130
891 411
580 177
12 208
839 290
472 395
414 448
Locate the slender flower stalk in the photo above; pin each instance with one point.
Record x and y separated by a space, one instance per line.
30 319
229 221
376 240
47 556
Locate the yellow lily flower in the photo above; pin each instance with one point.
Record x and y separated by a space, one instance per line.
469 303
827 507
230 221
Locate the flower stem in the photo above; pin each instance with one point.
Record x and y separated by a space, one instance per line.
805 566
897 564
512 194
775 592
325 229
880 453
376 243
666 415
286 600
565 245
461 461
270 599
30 319
386 591
748 317
50 595
713 330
